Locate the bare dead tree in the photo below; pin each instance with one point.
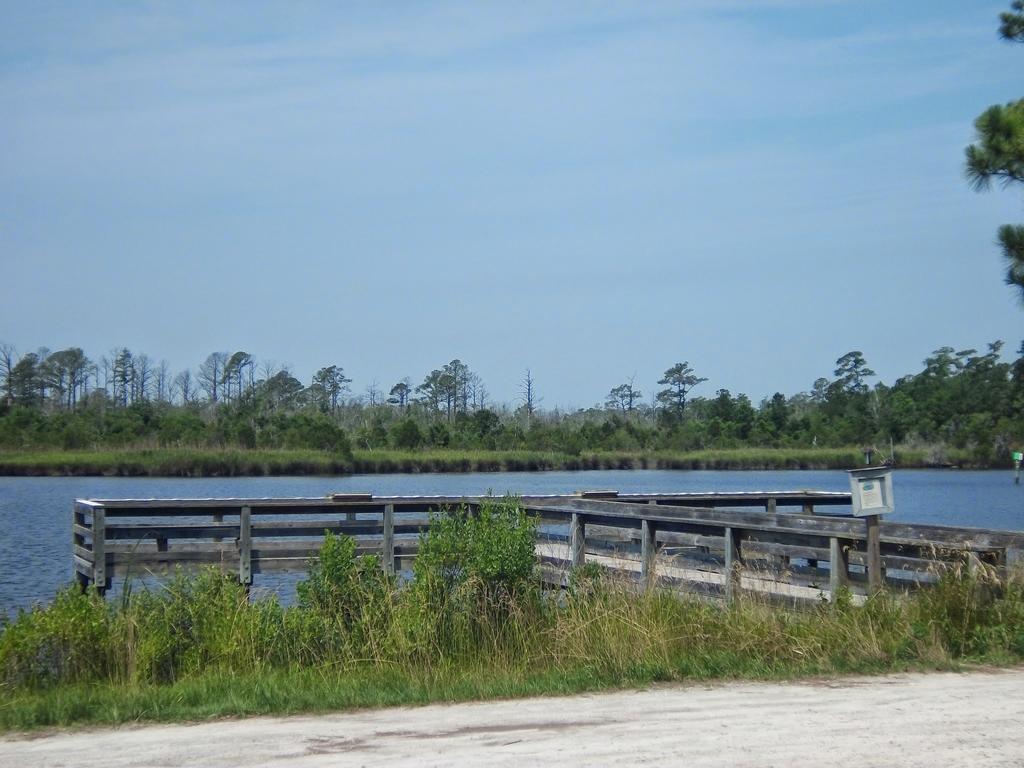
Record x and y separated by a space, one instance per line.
185 387
163 382
210 372
373 394
529 395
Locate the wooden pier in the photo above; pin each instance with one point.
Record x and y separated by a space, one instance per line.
715 544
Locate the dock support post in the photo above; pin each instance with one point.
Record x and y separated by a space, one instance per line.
876 578
839 566
99 549
733 563
387 541
577 540
648 552
245 546
772 507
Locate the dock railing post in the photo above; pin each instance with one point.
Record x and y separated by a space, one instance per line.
648 552
99 549
245 546
577 540
78 547
876 578
387 541
733 563
839 566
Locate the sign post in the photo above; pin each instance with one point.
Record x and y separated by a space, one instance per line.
871 491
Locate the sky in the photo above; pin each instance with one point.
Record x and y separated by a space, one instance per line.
594 191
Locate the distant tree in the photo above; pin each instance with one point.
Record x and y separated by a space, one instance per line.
185 387
399 394
163 383
106 370
144 375
26 381
123 376
329 384
722 406
281 392
819 391
236 375
449 389
211 371
8 355
851 370
945 362
66 373
458 379
373 394
623 397
434 392
528 395
477 391
680 379
777 411
998 153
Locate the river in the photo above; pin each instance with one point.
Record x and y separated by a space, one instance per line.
35 513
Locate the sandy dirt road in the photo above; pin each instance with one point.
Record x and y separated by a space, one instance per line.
974 719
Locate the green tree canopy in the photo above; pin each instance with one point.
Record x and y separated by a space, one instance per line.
998 153
680 379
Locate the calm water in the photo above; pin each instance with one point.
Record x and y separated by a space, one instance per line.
35 513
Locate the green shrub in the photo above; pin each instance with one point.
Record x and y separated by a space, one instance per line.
495 547
474 572
352 596
406 435
69 641
972 612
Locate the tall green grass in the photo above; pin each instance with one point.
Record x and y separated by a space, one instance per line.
236 462
472 623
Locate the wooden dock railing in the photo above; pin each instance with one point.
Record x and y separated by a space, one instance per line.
713 543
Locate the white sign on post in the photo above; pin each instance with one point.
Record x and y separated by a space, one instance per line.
871 491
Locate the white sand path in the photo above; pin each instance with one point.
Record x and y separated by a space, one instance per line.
971 719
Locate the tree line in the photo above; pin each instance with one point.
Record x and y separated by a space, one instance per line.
64 399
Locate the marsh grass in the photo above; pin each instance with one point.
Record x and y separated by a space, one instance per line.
237 462
473 623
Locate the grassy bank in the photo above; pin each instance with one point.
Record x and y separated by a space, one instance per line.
254 664
472 623
205 462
